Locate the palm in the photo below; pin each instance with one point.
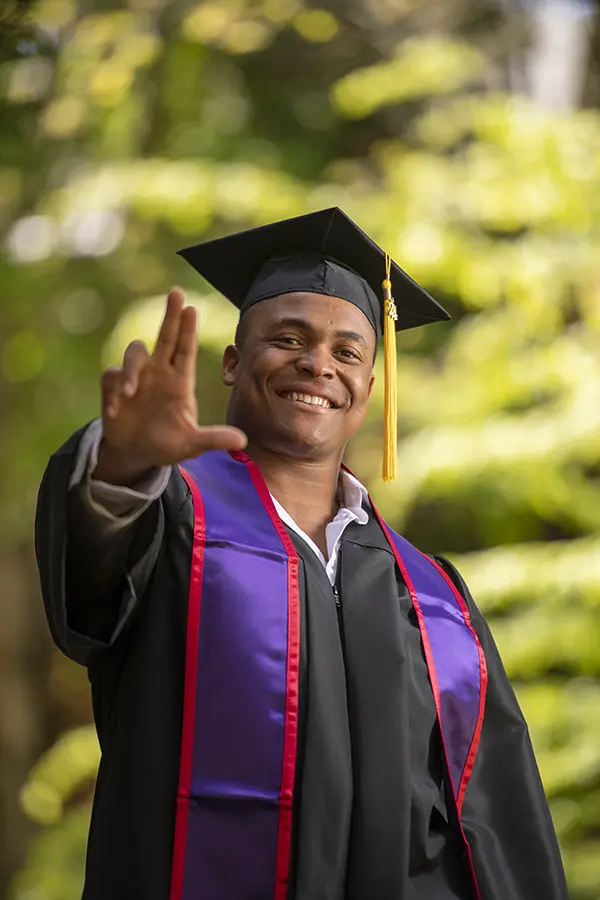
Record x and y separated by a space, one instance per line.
161 415
157 422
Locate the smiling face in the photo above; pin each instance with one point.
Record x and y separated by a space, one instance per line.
301 374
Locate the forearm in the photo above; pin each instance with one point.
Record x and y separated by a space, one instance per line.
103 523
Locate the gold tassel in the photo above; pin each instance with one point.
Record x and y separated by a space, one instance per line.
390 434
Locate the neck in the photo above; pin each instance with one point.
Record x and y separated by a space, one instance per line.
307 489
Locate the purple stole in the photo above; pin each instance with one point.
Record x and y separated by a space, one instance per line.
240 711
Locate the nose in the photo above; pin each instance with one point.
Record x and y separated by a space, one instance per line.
317 361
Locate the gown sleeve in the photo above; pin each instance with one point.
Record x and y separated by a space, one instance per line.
92 577
506 816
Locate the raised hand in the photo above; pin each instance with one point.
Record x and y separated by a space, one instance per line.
149 410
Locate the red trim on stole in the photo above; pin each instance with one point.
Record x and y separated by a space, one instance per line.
483 675
189 692
422 628
284 835
434 682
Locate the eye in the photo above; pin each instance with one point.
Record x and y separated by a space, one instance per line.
287 340
350 354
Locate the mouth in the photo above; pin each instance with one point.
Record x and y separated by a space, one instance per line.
313 401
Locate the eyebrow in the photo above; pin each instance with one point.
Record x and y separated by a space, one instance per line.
294 322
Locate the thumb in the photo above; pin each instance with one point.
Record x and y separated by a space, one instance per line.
218 437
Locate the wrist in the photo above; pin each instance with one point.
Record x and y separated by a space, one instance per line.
119 467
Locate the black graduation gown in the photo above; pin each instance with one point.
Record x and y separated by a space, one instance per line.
370 812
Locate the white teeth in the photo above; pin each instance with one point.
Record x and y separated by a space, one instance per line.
307 398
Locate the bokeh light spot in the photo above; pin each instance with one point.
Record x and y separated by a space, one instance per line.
32 239
316 25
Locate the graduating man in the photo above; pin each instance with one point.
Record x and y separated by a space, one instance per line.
293 703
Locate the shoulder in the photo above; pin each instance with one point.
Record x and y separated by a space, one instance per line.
452 572
478 621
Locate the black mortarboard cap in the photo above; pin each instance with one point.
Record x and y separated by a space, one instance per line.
323 252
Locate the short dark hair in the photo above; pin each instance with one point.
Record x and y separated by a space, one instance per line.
240 333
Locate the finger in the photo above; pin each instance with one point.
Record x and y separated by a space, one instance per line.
186 350
134 360
219 437
169 330
110 385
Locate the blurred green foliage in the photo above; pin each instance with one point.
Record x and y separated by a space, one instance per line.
130 130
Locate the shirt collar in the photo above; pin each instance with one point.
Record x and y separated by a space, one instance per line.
354 499
354 496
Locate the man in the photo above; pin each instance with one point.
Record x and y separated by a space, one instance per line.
292 701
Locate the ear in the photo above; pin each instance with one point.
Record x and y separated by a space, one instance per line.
371 383
231 358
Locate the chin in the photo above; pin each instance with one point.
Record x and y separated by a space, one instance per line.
288 435
307 446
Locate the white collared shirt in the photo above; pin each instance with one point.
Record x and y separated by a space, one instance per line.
121 506
355 499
